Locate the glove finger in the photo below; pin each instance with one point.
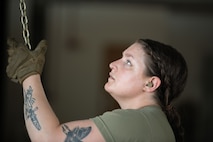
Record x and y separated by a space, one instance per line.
41 48
11 42
11 51
10 59
15 80
13 45
11 74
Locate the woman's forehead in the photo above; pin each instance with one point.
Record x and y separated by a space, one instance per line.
134 50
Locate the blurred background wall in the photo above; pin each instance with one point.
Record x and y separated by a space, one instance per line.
84 36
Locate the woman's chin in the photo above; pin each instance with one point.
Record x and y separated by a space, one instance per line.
107 87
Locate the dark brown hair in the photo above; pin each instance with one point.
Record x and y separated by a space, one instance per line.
170 66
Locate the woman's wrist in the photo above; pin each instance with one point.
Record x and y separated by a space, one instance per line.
31 79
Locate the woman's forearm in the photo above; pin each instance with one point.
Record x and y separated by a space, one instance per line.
41 121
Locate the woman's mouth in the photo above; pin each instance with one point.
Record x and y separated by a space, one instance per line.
111 77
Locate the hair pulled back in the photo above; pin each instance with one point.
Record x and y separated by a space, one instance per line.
169 65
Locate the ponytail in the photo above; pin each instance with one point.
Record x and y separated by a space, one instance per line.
175 122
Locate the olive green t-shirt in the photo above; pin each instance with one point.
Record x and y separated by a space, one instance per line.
148 124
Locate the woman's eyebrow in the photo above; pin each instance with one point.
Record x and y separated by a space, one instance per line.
125 54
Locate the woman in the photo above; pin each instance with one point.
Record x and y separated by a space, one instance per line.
144 82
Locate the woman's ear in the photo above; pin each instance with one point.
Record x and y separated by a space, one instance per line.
152 84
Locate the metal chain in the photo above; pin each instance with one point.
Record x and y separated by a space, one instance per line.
24 21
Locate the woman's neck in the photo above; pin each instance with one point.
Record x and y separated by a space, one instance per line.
136 103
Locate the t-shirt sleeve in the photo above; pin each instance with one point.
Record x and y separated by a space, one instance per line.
120 125
104 129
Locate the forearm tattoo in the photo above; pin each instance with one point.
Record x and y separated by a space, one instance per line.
29 110
75 135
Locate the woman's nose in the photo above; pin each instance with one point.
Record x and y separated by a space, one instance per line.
112 65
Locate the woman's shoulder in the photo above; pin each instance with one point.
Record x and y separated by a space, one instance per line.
142 115
152 109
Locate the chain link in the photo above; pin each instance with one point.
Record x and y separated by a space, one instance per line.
24 21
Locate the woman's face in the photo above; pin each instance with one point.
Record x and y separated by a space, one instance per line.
127 77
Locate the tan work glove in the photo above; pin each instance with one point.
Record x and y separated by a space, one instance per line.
23 62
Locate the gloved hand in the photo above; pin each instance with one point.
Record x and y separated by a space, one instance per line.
23 62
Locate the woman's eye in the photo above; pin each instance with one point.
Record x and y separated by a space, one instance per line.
128 62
